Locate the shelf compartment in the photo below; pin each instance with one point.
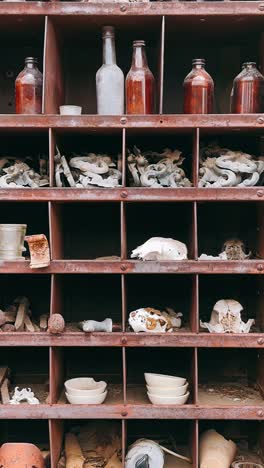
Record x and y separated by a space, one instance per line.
247 290
230 377
178 436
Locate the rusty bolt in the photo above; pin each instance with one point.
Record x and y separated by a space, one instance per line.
123 8
124 413
260 193
124 340
260 413
260 267
123 120
123 194
123 267
260 120
261 6
261 341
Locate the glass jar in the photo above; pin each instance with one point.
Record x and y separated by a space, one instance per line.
198 90
140 83
28 87
248 91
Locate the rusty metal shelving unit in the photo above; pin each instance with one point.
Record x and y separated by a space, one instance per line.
58 28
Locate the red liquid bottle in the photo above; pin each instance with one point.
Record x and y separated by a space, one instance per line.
248 91
198 90
140 83
29 88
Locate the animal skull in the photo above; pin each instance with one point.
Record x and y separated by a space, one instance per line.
153 320
226 318
160 248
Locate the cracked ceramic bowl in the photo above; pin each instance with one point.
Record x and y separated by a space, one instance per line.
160 380
166 400
168 391
84 386
86 400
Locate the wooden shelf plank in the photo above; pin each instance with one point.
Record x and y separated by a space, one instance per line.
137 267
177 122
177 340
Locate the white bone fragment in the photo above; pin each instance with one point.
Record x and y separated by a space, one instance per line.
226 318
24 395
160 248
93 326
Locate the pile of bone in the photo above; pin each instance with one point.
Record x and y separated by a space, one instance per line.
156 321
222 167
226 318
90 170
233 249
166 389
16 173
161 248
152 169
18 318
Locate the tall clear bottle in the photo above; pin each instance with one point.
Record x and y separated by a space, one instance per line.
198 90
140 83
28 87
109 78
247 96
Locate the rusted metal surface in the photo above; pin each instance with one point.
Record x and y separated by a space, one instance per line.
250 267
134 340
56 433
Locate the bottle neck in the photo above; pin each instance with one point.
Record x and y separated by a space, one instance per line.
109 53
198 66
139 59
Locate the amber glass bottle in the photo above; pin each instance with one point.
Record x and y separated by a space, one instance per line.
248 91
198 90
29 88
140 83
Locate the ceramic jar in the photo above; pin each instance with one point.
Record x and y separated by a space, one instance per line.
12 241
20 455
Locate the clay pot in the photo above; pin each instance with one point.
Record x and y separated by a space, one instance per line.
20 455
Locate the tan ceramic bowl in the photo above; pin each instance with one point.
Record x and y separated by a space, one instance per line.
84 386
168 391
165 400
160 380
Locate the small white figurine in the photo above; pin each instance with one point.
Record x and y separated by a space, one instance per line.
24 396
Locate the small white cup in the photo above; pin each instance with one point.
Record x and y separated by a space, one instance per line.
70 110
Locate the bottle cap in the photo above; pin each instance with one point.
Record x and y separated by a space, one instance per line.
246 64
198 61
139 43
108 31
31 60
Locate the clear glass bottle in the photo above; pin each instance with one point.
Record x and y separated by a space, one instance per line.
248 91
140 83
28 88
109 78
198 90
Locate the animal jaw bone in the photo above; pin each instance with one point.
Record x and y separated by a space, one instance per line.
152 320
152 169
92 325
221 167
226 318
160 248
24 395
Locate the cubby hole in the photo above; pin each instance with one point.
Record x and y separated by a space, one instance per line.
80 45
26 431
89 297
161 291
157 140
35 288
28 146
247 435
21 37
26 372
245 289
88 230
169 220
34 215
102 364
176 436
230 377
95 437
168 361
85 142
207 41
220 222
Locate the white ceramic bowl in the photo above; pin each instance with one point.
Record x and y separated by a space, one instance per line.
84 386
160 380
168 391
165 400
70 110
86 400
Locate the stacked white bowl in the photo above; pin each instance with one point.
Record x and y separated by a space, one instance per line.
85 391
166 389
